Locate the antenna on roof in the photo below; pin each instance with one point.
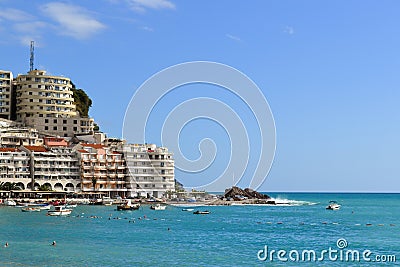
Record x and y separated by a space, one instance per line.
32 55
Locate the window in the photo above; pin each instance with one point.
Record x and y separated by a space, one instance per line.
46 128
55 128
55 120
64 121
64 128
75 129
46 120
75 122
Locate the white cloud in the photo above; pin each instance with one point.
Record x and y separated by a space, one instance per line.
232 37
146 28
31 26
73 20
289 30
21 25
142 5
13 14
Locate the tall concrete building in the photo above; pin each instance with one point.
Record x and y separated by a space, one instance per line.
151 170
46 102
6 79
102 170
14 167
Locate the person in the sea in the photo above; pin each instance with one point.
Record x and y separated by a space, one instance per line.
54 243
6 245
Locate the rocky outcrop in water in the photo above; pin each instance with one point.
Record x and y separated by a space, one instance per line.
237 193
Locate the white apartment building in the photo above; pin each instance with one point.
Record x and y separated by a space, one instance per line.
19 136
14 167
6 79
150 170
46 102
56 168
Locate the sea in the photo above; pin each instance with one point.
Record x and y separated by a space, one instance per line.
364 232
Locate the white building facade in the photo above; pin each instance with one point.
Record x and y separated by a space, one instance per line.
150 170
14 167
6 79
55 168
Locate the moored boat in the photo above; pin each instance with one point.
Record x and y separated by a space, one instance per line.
59 211
128 206
30 209
187 209
201 212
10 202
158 207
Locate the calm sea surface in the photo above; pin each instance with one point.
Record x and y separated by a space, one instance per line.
228 236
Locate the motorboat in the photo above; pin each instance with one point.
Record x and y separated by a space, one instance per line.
158 207
30 209
43 206
201 212
333 205
107 201
128 206
59 211
10 202
187 209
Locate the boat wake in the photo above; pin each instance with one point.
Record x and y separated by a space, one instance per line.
291 202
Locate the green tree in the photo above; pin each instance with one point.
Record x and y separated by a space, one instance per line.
82 101
7 186
45 187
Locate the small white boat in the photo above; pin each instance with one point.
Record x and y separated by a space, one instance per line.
158 207
186 209
333 205
70 206
44 207
10 202
30 209
59 211
107 201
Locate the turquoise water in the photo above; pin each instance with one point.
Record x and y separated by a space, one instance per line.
229 236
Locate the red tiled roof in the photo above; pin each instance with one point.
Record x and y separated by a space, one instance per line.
9 149
36 148
96 146
83 151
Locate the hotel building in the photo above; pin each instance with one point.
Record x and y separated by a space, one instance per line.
6 79
151 170
56 168
14 167
102 170
46 102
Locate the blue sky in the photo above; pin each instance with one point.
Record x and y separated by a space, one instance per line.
329 71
